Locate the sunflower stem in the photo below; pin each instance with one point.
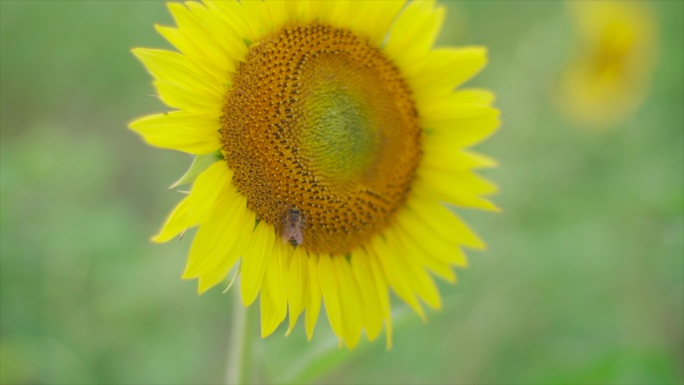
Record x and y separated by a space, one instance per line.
240 346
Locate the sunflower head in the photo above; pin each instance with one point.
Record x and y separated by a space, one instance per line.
334 133
613 58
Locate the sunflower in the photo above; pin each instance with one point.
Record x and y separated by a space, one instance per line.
609 72
328 136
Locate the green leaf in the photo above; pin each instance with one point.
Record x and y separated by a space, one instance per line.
199 164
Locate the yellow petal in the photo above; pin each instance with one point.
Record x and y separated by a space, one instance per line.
238 16
443 222
176 68
297 282
337 13
270 314
443 156
275 287
225 37
223 237
381 287
265 16
444 69
255 260
212 183
372 19
429 254
448 113
461 189
192 51
351 303
177 222
304 11
413 273
385 255
459 125
196 207
331 295
313 306
195 31
419 240
473 96
414 32
214 266
192 100
181 131
372 307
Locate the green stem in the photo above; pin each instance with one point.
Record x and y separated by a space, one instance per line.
241 340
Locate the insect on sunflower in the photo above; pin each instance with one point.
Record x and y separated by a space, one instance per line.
334 135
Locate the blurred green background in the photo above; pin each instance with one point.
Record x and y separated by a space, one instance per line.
583 281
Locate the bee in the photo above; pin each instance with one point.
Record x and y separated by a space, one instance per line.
293 223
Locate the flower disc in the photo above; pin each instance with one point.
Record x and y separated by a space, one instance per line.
321 121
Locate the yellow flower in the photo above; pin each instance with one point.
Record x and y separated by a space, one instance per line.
335 134
610 71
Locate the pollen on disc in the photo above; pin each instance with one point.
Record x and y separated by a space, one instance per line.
321 122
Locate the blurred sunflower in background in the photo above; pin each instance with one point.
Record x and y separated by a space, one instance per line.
613 60
328 135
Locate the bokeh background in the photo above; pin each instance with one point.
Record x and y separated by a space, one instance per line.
583 281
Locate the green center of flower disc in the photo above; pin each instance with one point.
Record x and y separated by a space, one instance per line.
339 135
321 122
